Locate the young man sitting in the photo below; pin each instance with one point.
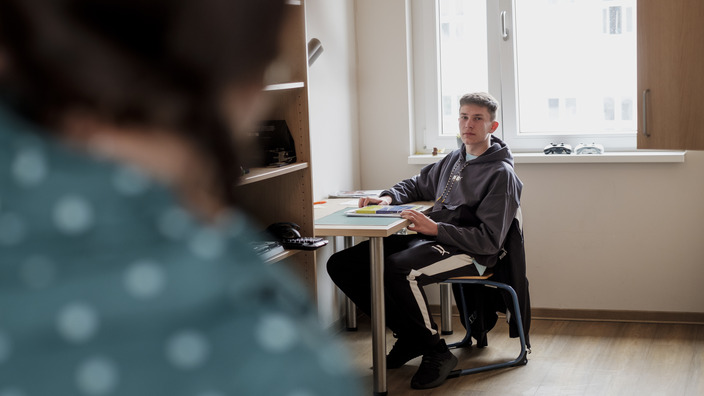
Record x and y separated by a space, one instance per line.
476 194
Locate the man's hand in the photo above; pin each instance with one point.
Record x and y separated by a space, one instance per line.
422 224
365 201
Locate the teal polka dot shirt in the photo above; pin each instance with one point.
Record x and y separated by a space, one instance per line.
109 287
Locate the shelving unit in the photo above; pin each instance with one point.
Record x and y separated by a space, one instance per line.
286 193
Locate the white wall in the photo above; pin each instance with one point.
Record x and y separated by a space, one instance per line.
632 235
332 87
598 236
384 100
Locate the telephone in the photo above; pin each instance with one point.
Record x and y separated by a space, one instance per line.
288 234
284 230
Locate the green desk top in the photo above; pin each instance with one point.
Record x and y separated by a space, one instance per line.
339 218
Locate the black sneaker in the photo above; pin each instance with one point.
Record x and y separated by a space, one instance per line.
434 368
402 352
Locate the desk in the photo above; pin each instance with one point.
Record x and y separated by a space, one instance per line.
330 222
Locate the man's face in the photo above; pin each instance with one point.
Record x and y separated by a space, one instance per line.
475 124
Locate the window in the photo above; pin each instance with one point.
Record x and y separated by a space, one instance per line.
563 70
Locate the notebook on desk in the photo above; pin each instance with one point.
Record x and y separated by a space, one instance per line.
382 210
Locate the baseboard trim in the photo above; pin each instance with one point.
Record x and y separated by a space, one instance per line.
601 315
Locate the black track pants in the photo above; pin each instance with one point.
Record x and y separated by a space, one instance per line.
410 262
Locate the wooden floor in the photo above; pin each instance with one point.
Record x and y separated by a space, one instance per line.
567 358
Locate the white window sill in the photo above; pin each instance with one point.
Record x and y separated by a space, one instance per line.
643 156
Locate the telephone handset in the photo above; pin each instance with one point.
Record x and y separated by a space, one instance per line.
284 230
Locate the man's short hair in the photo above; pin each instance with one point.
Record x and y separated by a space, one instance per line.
482 99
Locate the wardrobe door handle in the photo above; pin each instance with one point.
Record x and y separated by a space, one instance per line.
646 94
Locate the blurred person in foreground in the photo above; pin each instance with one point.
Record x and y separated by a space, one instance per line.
125 267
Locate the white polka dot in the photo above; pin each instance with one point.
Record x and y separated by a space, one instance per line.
207 244
187 350
29 167
73 215
210 393
276 333
77 322
97 376
5 347
144 279
175 223
37 272
130 181
12 392
300 392
12 229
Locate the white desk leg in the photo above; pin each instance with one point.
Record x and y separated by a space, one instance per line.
376 248
350 308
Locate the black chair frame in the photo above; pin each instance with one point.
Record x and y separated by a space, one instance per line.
521 359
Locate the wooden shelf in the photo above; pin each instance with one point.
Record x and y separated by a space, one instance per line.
284 86
259 174
282 256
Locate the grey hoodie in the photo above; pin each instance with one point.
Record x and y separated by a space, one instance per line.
475 210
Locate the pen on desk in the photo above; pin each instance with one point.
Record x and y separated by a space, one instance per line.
319 202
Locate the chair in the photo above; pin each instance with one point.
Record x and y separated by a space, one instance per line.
514 268
520 360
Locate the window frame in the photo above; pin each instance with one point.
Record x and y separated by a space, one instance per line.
502 81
